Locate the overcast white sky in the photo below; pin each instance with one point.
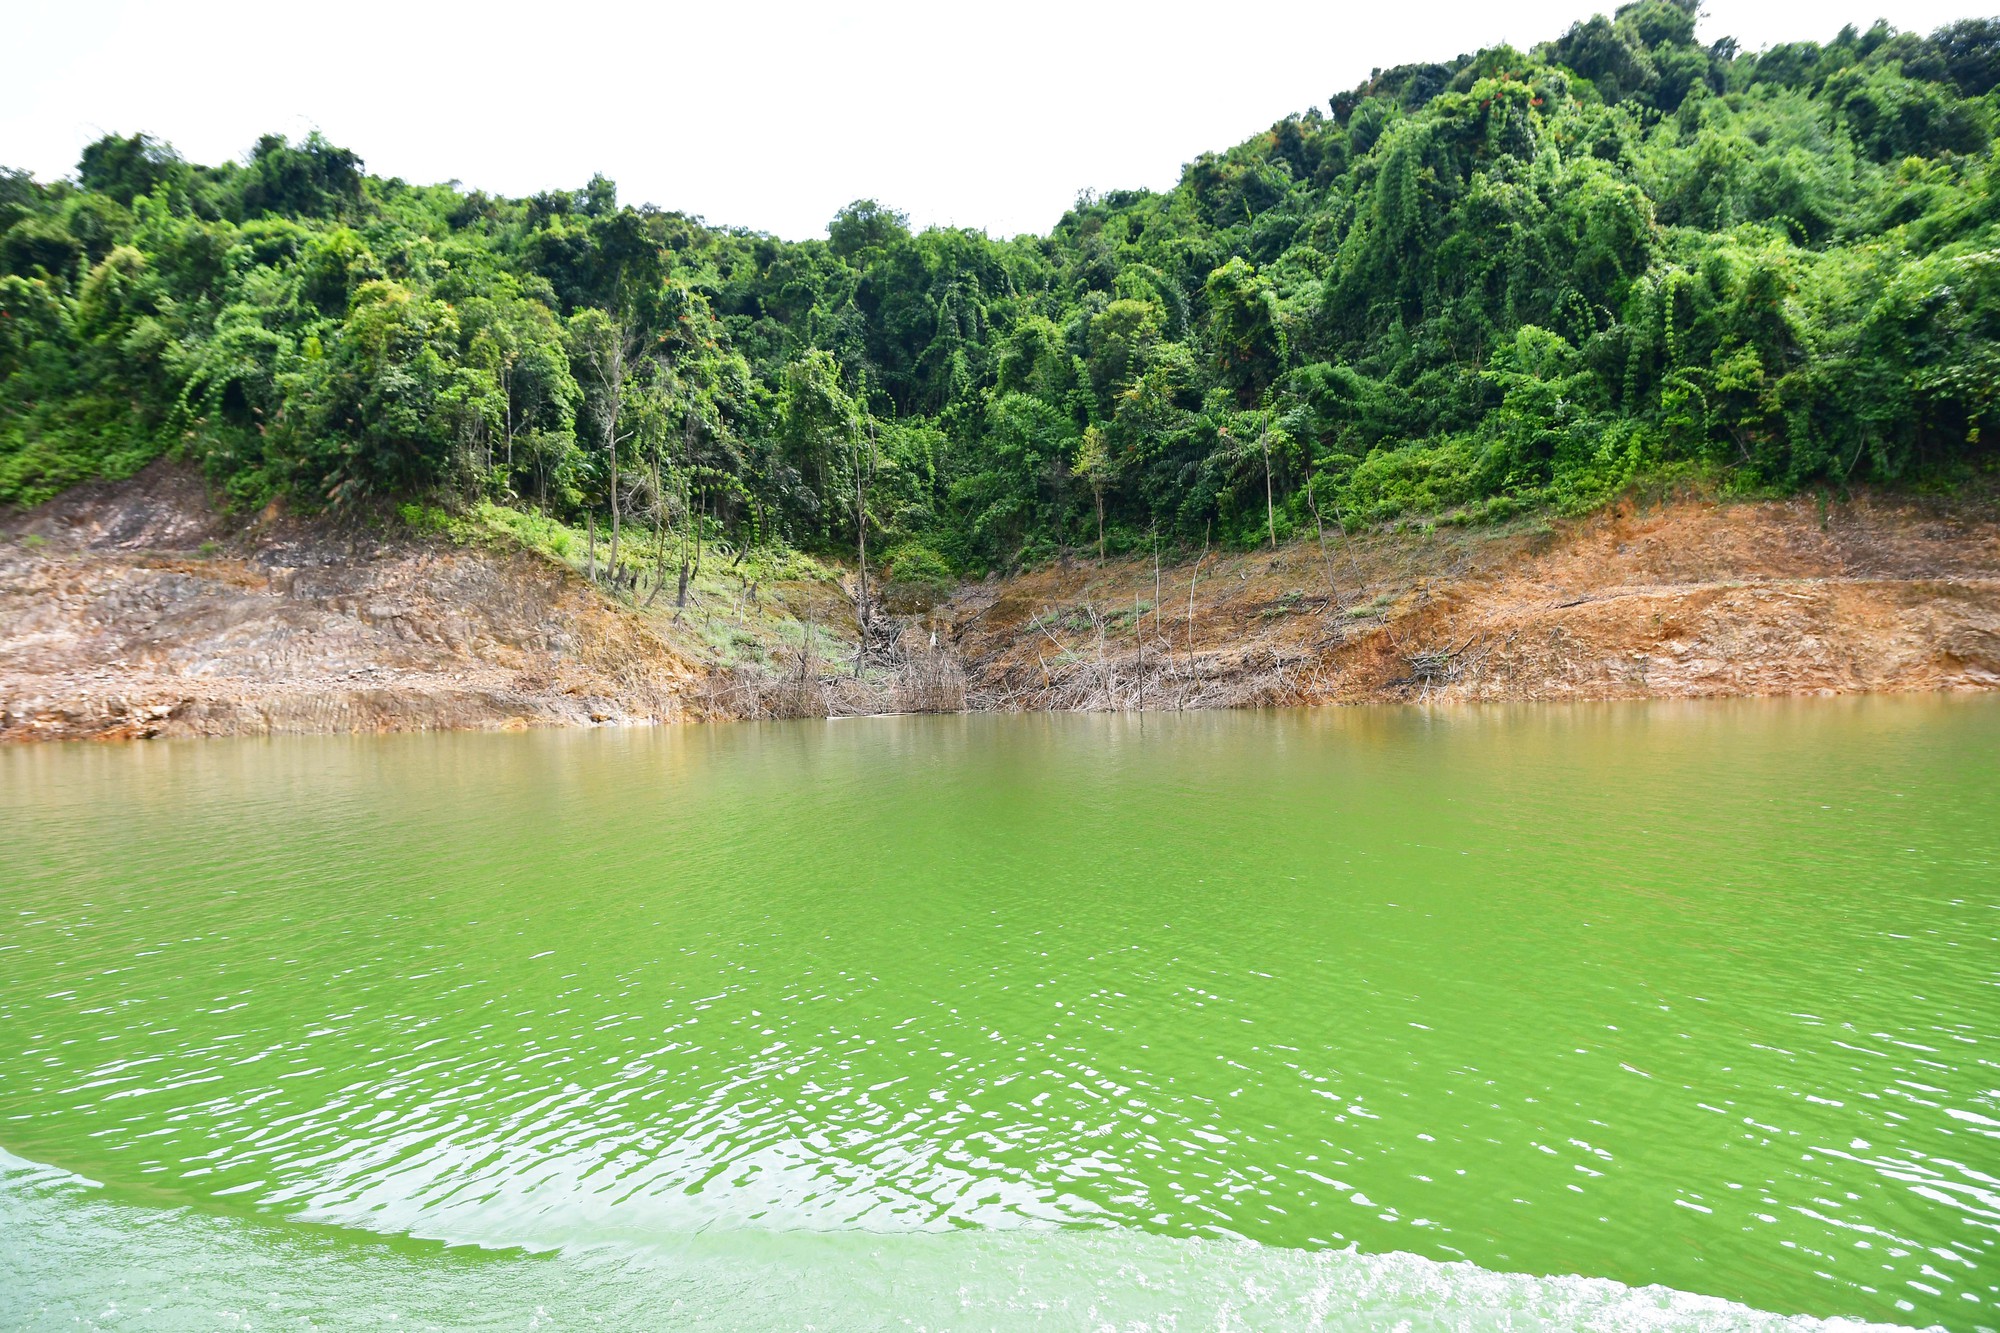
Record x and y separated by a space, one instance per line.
763 115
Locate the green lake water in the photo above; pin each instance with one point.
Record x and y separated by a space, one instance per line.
1632 1016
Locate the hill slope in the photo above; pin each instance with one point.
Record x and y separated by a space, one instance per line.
1505 281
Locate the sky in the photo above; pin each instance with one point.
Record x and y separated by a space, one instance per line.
771 115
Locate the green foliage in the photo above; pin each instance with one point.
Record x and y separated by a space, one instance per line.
918 578
309 179
1508 280
123 169
1970 49
386 407
1244 329
424 518
820 430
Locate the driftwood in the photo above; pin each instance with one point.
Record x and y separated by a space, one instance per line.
1430 669
914 673
1154 670
929 678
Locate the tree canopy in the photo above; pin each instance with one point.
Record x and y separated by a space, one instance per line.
1508 279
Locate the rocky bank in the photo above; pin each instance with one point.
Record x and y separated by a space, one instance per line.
135 609
1677 598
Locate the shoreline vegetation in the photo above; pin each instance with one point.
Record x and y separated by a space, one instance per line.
1630 364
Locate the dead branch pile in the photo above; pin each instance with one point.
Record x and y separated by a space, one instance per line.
907 671
1076 669
929 679
798 690
1431 669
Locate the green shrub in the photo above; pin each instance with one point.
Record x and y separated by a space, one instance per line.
916 578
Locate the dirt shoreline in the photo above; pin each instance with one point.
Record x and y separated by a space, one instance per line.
134 610
1686 598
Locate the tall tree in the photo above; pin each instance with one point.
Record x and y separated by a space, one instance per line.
829 432
603 348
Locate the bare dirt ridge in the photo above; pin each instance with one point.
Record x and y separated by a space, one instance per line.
1684 598
135 609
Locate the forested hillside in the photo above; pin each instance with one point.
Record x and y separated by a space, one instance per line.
1511 279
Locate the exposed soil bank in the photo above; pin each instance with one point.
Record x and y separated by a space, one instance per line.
133 610
1682 599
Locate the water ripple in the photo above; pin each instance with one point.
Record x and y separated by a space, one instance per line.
1695 999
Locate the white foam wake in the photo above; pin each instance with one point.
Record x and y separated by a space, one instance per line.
69 1256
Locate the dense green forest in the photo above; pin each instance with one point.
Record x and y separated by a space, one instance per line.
1512 279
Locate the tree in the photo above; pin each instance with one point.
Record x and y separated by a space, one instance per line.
519 343
602 349
1243 324
1971 49
865 226
383 406
1612 56
312 178
832 436
1120 340
1095 466
862 458
125 168
1501 279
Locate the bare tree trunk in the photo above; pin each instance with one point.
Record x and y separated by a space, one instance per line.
1326 565
659 535
590 527
1360 579
687 560
861 545
611 438
1139 630
1270 508
1193 575
507 391
1156 578
1098 495
690 564
861 478
608 366
1103 667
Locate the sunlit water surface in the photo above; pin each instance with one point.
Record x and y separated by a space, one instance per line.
1609 1017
